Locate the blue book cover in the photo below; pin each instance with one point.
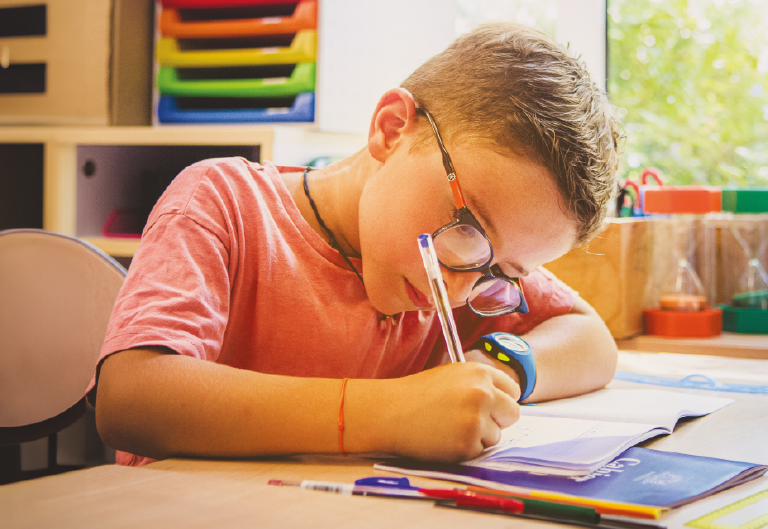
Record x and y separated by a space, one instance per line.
639 475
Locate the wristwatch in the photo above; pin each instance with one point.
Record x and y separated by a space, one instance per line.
514 352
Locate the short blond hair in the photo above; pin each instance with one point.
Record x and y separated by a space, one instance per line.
515 89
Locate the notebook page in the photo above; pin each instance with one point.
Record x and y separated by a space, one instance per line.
564 443
646 406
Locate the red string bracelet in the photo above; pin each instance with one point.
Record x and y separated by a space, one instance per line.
341 418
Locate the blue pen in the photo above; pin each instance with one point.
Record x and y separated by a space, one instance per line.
439 294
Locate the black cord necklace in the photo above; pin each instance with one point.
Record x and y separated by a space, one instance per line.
332 236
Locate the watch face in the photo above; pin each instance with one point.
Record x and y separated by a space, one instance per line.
512 342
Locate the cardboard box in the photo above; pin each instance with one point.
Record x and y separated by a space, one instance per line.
95 59
611 273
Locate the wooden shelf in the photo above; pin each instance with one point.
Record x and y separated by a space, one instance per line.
162 135
727 344
61 209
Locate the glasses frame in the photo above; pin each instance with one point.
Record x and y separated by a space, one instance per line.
465 216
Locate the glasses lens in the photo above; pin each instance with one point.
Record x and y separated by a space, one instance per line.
462 247
494 297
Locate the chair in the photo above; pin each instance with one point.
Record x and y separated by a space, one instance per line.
56 297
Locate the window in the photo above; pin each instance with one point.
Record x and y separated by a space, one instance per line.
690 80
366 48
541 14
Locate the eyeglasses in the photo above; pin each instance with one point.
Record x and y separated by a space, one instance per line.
463 246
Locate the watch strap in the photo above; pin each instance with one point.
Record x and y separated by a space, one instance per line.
514 352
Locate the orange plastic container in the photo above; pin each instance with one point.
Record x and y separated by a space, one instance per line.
684 324
173 24
684 249
681 199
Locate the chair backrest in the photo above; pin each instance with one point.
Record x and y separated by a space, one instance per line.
56 297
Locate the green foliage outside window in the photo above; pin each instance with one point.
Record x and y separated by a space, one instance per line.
690 80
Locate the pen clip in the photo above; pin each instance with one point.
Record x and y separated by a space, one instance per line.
382 481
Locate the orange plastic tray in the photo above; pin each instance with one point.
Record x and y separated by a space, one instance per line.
195 4
303 17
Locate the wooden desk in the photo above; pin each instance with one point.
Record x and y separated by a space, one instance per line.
204 493
727 344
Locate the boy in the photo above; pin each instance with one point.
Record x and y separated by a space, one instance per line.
287 281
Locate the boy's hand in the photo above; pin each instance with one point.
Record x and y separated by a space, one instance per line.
476 355
452 412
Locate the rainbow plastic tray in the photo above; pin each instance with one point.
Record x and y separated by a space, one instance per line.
194 4
239 51
238 81
236 110
238 21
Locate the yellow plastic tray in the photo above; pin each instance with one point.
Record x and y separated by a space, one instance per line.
303 48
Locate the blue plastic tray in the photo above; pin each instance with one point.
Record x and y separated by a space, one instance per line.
173 110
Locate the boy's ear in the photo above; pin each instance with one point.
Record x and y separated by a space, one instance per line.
391 121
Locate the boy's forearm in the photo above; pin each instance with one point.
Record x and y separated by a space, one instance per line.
574 353
161 405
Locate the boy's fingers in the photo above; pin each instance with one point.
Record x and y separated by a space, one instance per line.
505 411
506 384
491 434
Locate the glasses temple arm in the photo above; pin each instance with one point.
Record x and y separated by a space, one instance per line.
458 196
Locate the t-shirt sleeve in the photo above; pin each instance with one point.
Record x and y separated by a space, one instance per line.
176 293
547 298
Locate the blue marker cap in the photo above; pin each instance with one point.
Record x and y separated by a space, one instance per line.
381 481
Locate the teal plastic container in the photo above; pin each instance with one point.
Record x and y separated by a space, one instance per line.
745 200
744 321
747 311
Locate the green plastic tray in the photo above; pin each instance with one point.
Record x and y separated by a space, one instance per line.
248 81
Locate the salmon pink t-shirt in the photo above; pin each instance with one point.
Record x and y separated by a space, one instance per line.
228 271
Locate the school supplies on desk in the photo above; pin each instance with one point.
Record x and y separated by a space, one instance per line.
749 513
462 498
639 476
604 523
578 435
573 513
459 497
691 382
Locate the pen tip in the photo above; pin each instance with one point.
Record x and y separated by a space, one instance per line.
284 483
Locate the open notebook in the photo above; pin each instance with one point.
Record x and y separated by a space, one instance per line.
577 436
